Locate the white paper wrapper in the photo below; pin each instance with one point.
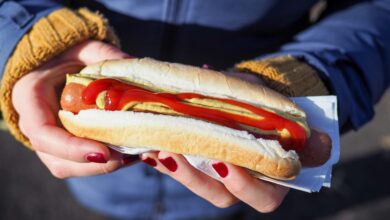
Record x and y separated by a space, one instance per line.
322 114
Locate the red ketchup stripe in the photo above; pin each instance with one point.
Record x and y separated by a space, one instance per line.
119 94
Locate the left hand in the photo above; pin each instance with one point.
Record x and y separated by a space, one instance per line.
237 184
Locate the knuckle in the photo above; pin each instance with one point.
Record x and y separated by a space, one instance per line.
112 167
109 168
270 206
224 203
188 181
103 169
103 48
238 189
106 50
36 143
185 181
57 171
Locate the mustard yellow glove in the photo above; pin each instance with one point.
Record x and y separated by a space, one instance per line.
286 75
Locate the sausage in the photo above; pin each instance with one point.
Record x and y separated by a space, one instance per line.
317 150
71 98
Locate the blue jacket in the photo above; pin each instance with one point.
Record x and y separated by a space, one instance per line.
350 46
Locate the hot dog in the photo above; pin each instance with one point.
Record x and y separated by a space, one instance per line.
186 110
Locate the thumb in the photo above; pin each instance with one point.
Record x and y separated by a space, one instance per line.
94 51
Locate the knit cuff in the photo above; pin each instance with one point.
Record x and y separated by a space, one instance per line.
50 36
287 75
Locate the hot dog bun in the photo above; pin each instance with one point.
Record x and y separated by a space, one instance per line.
184 136
187 135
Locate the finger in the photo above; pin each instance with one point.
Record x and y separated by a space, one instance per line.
261 195
62 169
59 143
204 186
94 51
54 70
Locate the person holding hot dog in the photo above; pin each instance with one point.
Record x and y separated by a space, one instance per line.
344 51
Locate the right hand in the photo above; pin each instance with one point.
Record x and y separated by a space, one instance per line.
36 99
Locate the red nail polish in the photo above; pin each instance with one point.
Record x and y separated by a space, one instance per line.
129 159
95 158
169 163
221 169
150 161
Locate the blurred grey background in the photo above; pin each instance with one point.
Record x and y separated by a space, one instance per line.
360 185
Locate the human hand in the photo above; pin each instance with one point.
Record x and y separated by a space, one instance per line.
36 99
236 183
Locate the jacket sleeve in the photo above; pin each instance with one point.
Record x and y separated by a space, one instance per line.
351 50
16 18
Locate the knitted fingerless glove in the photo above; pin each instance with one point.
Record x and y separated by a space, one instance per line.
287 75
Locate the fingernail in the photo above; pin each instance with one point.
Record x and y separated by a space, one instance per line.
221 169
95 158
129 159
150 161
169 163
